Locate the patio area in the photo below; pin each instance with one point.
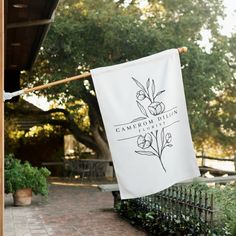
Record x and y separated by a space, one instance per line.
71 208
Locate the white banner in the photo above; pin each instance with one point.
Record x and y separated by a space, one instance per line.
144 112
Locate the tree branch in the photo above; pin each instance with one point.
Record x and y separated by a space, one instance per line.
80 136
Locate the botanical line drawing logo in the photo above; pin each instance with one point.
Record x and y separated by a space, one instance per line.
149 143
149 93
152 147
152 129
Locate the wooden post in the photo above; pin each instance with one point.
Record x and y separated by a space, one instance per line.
1 117
235 161
203 157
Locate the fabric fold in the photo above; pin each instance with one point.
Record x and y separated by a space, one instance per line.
143 107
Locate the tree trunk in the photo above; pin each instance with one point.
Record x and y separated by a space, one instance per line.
103 148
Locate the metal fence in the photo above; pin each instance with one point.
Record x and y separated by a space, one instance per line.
181 201
183 209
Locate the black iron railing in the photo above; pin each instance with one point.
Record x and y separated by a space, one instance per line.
178 210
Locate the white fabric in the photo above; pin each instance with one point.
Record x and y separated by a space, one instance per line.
144 112
8 96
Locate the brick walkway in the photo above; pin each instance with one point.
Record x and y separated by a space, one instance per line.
69 210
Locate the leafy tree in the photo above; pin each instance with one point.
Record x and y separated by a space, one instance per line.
89 34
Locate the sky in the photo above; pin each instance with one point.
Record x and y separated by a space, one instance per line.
228 26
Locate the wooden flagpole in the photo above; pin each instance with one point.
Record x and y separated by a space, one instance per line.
77 77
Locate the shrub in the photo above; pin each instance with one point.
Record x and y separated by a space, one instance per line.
23 175
159 221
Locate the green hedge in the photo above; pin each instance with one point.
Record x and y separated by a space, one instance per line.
161 222
225 209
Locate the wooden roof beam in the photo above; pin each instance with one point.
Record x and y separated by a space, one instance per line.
30 23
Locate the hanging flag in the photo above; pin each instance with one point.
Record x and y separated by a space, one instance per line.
144 111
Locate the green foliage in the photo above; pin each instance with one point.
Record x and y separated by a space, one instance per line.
89 34
159 222
38 144
22 175
225 206
162 221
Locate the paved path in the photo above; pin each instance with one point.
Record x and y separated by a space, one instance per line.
69 210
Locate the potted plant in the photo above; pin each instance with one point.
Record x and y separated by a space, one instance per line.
21 179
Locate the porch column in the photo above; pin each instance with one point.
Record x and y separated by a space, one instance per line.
1 117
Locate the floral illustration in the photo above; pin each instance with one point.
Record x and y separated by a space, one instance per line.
151 145
149 93
144 141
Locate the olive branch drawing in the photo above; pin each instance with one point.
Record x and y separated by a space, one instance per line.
149 92
151 146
